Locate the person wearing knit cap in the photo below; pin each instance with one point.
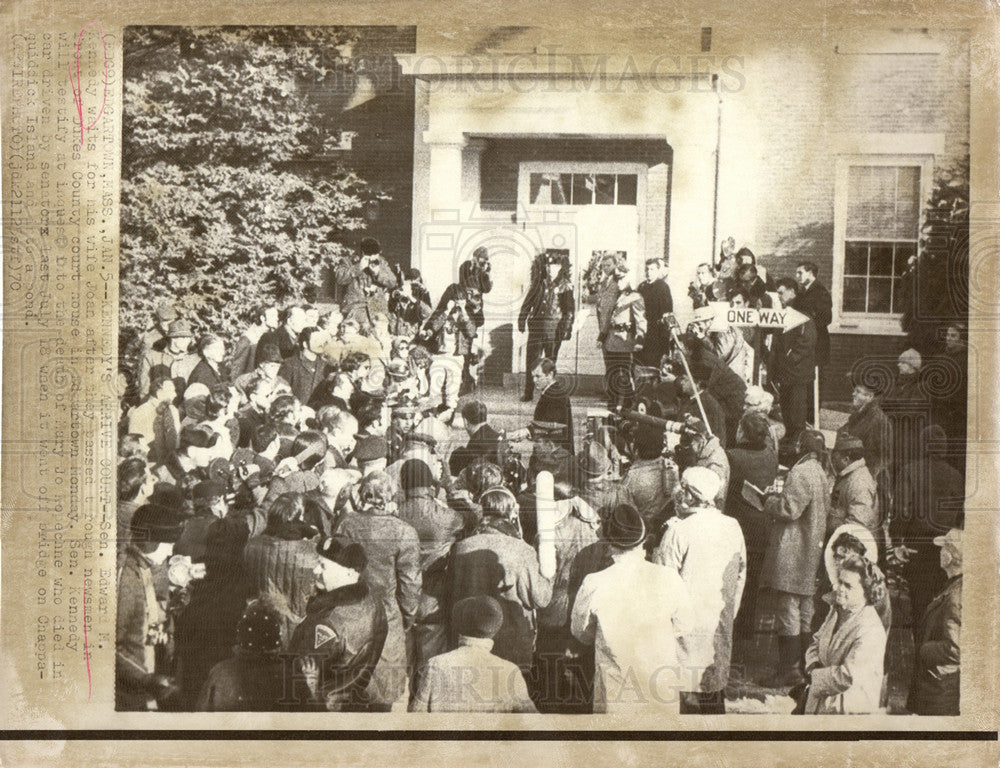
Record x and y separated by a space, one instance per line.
340 641
443 684
706 549
253 679
634 613
798 507
438 527
141 627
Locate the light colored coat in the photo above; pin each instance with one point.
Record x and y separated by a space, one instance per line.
854 499
471 679
848 679
795 544
707 551
635 613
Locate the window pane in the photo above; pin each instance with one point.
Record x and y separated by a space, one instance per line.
881 259
907 201
628 184
879 289
904 252
550 188
897 304
605 189
855 258
854 294
583 188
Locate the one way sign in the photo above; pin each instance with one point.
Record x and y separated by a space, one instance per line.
778 318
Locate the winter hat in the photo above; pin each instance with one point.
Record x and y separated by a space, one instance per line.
812 441
479 616
370 246
207 490
847 442
169 496
270 353
153 523
415 474
180 328
912 358
371 448
344 552
259 629
199 437
624 527
702 482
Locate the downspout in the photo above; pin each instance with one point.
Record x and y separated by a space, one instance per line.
718 145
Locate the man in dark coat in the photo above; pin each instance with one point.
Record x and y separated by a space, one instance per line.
547 312
870 425
339 642
657 299
484 440
305 371
141 634
793 366
553 405
813 298
930 501
937 669
392 548
366 281
209 370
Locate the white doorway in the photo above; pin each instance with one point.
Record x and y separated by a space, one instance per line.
585 207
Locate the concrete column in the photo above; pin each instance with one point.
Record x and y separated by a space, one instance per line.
445 174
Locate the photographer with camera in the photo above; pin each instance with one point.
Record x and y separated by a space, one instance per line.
366 280
409 305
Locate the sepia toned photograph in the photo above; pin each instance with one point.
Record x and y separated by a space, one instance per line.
512 370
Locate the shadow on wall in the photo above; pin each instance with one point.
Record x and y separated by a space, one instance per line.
807 242
501 355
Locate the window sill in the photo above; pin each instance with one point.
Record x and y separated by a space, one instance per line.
867 326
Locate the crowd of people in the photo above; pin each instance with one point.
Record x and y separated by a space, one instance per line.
301 526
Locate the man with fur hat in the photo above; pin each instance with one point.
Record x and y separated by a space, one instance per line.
141 636
366 281
339 642
799 508
635 614
706 549
547 312
471 678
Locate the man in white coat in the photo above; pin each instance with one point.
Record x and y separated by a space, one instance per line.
636 614
706 549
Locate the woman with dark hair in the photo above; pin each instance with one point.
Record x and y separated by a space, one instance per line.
845 661
283 557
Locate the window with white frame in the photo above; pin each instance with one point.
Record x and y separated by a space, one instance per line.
877 229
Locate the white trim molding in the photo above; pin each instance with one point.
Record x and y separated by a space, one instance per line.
863 322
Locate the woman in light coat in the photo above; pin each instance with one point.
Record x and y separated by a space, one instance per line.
845 662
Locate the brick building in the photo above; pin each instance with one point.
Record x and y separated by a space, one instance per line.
819 145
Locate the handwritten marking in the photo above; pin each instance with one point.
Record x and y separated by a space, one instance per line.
86 646
77 86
